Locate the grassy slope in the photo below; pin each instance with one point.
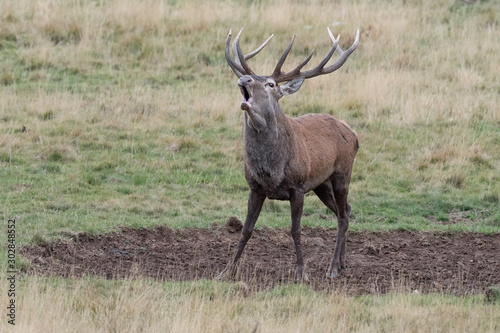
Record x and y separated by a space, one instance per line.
131 116
131 113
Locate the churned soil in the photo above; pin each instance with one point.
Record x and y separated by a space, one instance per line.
377 262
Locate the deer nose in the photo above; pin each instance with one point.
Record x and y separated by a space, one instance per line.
245 80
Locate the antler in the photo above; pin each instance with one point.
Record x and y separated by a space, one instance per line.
239 64
279 76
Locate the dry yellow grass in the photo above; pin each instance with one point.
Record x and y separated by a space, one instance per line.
93 305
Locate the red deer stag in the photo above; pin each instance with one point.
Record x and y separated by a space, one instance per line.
288 157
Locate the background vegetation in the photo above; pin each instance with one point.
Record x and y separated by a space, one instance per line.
125 113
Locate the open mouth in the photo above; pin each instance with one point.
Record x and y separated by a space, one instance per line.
247 97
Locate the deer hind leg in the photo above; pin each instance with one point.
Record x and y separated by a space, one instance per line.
325 193
340 184
255 202
342 253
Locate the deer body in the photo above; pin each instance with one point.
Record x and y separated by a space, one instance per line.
288 157
296 154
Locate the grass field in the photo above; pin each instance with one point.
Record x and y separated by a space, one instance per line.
125 113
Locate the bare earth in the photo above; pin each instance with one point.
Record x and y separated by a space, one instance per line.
457 263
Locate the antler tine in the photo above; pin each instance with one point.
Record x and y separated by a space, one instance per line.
332 37
235 66
277 70
240 56
240 59
343 55
254 53
234 49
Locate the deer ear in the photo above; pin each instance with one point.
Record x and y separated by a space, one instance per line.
292 86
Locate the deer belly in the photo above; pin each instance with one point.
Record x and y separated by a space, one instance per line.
315 179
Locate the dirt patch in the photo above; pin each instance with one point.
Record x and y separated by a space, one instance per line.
458 263
233 224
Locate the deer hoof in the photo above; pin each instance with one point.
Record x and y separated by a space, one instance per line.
303 279
227 274
332 275
223 276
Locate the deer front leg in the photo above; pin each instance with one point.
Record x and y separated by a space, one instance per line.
296 205
255 202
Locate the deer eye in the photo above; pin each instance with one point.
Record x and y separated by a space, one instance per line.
270 84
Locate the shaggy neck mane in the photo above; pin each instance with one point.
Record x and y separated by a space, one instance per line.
267 149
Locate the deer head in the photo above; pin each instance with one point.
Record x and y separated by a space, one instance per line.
262 92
